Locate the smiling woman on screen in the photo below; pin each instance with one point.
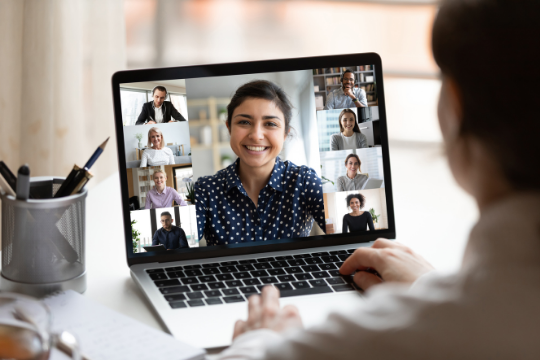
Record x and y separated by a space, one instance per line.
350 136
156 154
259 197
353 180
357 220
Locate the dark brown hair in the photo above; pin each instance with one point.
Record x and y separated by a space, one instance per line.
348 111
354 156
166 213
358 196
160 88
262 89
491 49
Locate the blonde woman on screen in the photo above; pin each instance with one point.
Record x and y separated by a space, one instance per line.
162 195
156 154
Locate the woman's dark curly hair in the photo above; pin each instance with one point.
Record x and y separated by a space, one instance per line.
360 198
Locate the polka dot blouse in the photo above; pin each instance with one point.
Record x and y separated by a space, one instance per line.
286 208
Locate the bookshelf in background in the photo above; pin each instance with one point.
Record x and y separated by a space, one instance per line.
209 131
327 80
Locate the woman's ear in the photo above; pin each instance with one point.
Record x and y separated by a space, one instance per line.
450 109
228 126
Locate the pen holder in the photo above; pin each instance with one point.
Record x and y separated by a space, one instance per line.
43 240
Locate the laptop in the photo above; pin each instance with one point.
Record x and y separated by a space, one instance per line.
222 139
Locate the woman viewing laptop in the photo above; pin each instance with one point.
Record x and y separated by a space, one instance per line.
487 309
357 220
353 180
156 154
259 197
350 136
161 195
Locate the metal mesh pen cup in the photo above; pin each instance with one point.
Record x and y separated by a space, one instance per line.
43 240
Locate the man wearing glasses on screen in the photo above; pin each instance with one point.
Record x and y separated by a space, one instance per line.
170 236
158 110
347 96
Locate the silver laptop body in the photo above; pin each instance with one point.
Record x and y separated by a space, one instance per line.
200 291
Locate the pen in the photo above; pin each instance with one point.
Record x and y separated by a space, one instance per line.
8 176
62 191
87 175
23 183
73 181
5 187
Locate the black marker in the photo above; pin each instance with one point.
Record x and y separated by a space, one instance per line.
23 183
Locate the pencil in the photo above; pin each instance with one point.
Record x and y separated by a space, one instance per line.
96 154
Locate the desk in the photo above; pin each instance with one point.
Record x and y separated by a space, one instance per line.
433 216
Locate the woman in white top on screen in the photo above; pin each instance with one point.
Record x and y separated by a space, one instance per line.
488 309
157 154
350 136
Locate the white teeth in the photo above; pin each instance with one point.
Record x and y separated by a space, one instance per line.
256 148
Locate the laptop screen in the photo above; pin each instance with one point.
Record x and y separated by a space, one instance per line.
254 159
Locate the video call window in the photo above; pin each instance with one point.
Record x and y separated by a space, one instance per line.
135 96
326 156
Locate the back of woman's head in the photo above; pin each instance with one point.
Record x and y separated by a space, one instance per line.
491 49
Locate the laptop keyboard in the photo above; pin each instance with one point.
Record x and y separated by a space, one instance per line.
234 281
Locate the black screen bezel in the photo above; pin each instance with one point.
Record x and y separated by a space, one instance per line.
242 68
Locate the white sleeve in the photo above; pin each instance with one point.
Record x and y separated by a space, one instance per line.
251 345
391 322
171 156
144 159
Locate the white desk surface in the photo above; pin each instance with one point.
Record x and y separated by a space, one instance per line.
433 216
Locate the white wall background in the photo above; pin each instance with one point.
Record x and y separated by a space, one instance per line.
177 132
337 207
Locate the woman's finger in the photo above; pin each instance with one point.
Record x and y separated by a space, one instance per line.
254 312
239 328
270 305
366 280
385 243
361 259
